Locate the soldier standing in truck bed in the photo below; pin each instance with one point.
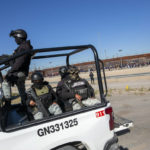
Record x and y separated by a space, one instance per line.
19 67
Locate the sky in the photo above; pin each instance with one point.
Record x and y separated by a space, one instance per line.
109 25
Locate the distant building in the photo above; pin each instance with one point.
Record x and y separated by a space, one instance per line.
128 61
119 62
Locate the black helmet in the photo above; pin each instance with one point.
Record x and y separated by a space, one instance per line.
63 71
73 72
19 33
37 76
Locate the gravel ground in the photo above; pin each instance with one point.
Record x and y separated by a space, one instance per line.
134 107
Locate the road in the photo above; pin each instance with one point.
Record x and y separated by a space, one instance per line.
134 107
129 75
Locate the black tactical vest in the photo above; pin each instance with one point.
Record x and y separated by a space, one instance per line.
45 96
78 87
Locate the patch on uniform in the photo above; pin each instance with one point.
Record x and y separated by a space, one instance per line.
42 91
99 114
78 84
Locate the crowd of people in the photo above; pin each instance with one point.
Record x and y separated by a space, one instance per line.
128 65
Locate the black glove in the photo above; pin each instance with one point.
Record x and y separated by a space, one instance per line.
11 78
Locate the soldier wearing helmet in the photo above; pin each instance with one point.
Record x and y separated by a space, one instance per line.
63 72
42 100
20 66
22 63
75 91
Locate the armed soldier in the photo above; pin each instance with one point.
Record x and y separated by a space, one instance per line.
42 100
63 71
19 67
76 91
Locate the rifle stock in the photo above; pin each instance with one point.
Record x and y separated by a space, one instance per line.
3 57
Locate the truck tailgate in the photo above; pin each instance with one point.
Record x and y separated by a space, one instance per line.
122 124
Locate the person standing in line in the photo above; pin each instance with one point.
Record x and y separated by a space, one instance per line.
91 77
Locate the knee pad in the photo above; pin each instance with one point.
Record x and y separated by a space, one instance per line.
6 88
38 115
55 109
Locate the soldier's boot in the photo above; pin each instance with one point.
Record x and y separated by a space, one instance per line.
7 104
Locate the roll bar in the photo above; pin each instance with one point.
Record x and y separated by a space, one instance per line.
71 50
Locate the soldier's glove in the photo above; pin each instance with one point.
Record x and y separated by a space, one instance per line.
11 78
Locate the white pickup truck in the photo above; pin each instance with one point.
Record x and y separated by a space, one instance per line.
90 128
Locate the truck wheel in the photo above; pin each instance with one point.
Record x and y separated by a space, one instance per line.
114 147
67 147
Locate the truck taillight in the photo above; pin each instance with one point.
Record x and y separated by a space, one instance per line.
109 111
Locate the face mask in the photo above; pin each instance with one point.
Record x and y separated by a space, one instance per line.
18 40
74 76
38 85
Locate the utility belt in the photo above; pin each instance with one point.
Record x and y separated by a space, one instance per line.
14 77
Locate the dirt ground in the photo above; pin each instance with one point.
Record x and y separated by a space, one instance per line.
134 105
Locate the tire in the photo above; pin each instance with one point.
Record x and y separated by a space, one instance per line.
114 147
67 147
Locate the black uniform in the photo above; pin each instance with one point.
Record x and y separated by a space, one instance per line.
20 69
45 99
67 89
91 77
21 64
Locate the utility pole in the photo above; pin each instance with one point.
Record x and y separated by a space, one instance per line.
105 54
34 67
120 50
51 68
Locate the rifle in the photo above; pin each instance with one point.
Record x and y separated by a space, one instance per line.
4 56
39 104
78 101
